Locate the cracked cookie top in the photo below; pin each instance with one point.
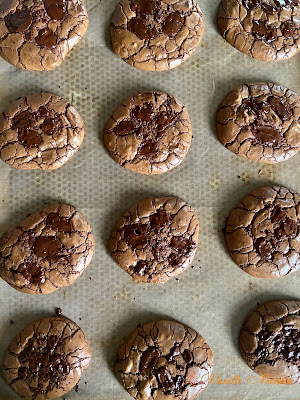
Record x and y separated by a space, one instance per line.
268 30
47 250
164 360
149 133
262 232
46 359
38 34
270 340
260 122
156 239
41 131
156 35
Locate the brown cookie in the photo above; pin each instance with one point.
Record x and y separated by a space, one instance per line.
38 34
41 131
156 35
262 232
156 239
270 340
260 122
164 360
47 250
268 30
46 359
149 133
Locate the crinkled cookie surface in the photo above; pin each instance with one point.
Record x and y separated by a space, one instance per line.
156 35
38 34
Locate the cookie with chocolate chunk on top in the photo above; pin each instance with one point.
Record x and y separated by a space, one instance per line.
46 359
164 360
262 232
149 133
41 131
156 239
48 250
270 340
267 30
156 35
260 122
37 35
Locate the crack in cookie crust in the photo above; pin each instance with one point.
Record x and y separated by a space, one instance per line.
38 34
46 359
164 359
41 131
149 133
270 339
156 35
260 122
48 250
268 30
262 232
156 239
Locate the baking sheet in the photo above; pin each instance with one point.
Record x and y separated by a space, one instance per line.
213 297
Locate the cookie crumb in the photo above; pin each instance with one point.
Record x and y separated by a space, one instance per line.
11 322
58 311
76 388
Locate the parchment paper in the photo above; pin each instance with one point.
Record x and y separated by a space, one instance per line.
215 296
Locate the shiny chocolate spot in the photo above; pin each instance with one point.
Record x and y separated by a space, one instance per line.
19 21
139 269
123 128
44 362
33 273
29 138
135 235
140 29
46 38
58 223
280 106
187 355
262 31
148 360
48 125
267 136
268 9
144 114
47 247
173 24
56 9
148 149
145 7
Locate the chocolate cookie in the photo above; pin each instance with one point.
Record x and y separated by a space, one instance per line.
156 239
37 35
270 340
149 133
164 360
268 30
48 250
260 122
262 232
156 35
46 359
41 131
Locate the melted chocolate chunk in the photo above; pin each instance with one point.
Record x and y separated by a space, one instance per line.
148 149
251 4
140 267
148 360
124 127
29 138
56 9
58 223
32 272
165 380
19 21
47 247
135 235
264 248
288 29
43 361
48 125
267 136
187 356
144 114
47 38
145 7
280 106
264 32
21 120
160 220
141 30
173 24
